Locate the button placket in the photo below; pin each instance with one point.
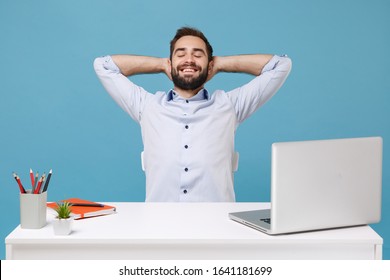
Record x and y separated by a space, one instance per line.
185 159
186 169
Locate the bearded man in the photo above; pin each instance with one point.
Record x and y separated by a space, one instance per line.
187 132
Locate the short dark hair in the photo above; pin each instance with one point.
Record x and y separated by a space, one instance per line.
191 31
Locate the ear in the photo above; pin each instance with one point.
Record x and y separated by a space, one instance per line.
210 72
168 68
211 66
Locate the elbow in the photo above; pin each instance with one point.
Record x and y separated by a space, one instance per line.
285 64
288 62
98 64
105 64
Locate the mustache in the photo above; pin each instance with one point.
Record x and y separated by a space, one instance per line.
189 64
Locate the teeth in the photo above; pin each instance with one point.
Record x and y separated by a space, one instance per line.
188 70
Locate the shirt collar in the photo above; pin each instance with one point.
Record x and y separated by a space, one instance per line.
203 94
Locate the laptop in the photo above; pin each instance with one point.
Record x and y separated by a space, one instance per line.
321 184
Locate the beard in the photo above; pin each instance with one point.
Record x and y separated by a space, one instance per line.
189 83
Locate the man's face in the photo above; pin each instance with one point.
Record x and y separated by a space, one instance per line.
189 65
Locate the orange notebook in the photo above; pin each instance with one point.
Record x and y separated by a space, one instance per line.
79 211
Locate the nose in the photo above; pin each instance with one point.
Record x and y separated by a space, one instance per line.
189 58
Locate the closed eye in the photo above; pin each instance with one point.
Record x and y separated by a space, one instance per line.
199 53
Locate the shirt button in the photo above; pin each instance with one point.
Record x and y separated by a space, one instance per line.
186 146
186 126
186 169
187 101
185 191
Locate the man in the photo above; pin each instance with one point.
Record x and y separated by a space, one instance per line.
188 133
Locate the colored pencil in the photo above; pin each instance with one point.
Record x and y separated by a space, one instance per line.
35 182
37 190
47 181
32 178
21 188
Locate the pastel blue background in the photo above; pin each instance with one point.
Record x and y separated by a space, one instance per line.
55 114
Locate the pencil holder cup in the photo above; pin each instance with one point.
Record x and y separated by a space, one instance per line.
33 210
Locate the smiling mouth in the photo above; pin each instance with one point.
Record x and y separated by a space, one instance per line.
189 68
188 71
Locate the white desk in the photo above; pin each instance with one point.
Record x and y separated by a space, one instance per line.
186 231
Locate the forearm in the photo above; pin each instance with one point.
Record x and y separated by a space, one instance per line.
250 63
133 64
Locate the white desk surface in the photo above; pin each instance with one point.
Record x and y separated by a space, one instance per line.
186 231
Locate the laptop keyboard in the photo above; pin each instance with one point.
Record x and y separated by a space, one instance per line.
267 220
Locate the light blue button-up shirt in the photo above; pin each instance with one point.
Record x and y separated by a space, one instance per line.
189 151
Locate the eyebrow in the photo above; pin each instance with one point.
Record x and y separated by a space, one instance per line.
194 50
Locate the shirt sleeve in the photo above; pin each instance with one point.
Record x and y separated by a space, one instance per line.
251 96
130 97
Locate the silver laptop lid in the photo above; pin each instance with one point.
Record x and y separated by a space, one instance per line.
326 183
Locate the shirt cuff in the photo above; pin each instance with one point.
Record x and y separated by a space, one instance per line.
272 63
109 64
